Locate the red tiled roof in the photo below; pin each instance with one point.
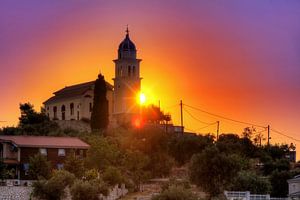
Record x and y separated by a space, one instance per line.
45 141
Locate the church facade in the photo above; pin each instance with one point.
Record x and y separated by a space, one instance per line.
75 102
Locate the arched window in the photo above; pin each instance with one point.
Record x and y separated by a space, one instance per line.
129 71
63 112
121 71
54 112
91 107
133 70
72 108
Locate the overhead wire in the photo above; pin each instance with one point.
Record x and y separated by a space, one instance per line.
195 118
226 118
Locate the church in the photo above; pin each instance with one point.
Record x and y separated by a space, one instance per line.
75 102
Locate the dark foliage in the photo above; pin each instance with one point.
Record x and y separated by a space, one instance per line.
39 167
184 147
279 183
213 170
249 181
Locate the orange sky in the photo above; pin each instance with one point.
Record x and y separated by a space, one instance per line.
223 58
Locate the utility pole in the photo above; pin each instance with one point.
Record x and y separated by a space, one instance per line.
268 135
218 129
181 116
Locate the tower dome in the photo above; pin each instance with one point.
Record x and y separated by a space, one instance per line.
127 47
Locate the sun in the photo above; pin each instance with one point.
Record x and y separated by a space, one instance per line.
141 98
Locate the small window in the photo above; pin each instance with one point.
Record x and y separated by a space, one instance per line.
91 107
61 152
26 168
60 166
43 152
55 112
72 108
133 70
129 71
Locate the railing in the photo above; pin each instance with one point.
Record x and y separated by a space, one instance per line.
245 195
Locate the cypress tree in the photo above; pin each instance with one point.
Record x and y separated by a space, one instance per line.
99 117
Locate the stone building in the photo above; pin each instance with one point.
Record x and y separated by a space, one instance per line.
75 102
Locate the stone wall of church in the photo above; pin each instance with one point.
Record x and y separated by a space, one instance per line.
76 108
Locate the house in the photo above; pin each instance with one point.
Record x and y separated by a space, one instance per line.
294 187
15 151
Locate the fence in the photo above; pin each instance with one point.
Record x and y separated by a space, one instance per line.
245 195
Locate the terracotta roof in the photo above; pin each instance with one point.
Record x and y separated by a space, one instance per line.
45 141
74 91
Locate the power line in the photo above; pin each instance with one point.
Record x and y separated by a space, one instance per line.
280 133
219 116
206 126
195 117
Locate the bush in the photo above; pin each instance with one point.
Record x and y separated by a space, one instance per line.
39 167
91 174
213 170
249 181
82 190
54 188
112 176
175 193
74 165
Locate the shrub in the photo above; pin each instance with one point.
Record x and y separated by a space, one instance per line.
82 190
112 176
39 167
54 188
175 193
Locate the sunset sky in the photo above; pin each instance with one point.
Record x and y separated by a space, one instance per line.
239 59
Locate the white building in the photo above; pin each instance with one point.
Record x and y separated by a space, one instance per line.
75 102
294 187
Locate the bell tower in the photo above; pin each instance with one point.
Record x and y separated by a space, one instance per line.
127 81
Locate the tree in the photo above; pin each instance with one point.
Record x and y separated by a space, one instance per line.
82 190
99 117
102 153
74 165
112 176
136 164
249 181
184 147
279 183
39 167
213 170
34 123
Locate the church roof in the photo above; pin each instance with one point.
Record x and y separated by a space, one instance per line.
74 91
127 44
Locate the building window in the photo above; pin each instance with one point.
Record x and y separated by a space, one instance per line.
91 107
133 70
71 108
54 112
43 152
26 168
129 71
77 115
63 112
61 152
60 166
